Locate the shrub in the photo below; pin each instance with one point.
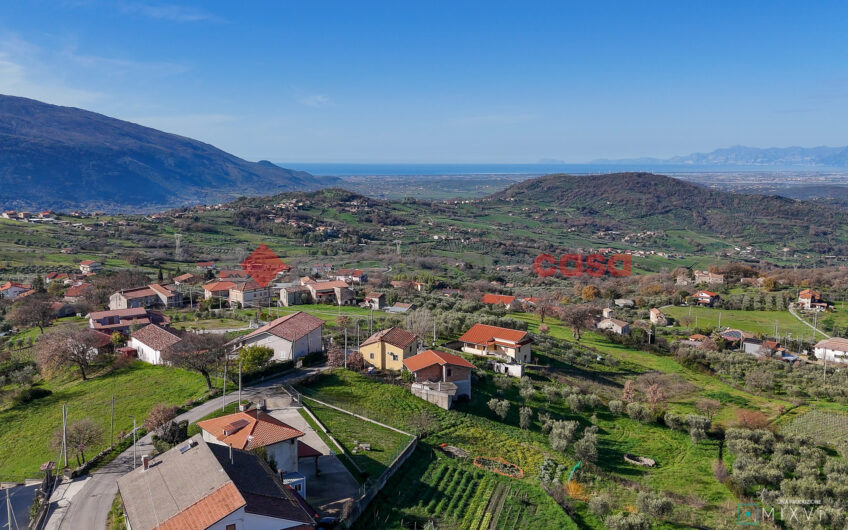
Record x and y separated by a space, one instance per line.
525 417
31 394
627 521
562 432
601 504
639 412
657 506
617 407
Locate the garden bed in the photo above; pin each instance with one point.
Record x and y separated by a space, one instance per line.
498 465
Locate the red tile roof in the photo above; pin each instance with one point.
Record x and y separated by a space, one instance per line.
78 290
394 336
134 312
290 327
485 334
218 286
207 511
156 337
431 357
809 293
249 430
326 286
489 298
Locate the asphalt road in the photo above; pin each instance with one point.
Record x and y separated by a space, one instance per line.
85 502
20 498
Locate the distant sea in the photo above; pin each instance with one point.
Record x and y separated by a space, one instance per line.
364 170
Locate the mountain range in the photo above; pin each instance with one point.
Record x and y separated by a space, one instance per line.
740 155
67 158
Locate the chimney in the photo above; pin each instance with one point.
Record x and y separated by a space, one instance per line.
145 462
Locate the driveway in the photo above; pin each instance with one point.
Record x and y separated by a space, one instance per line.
328 490
85 502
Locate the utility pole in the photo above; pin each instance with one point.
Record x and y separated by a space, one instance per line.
112 424
224 389
65 433
239 393
719 319
135 447
345 342
371 323
434 331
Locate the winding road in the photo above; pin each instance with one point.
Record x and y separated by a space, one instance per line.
85 502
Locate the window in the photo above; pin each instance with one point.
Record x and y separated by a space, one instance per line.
449 372
372 355
394 357
231 527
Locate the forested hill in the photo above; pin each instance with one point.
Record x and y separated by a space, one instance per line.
648 201
68 158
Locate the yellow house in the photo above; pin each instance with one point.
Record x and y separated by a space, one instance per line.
387 349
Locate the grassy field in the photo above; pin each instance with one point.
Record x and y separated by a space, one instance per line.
706 384
752 321
348 430
683 469
136 388
823 426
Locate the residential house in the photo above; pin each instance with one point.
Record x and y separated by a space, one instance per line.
90 267
440 377
375 301
482 339
811 300
295 295
419 286
199 485
608 312
188 279
753 346
122 320
76 294
705 298
658 318
615 325
401 284
335 292
206 265
401 307
150 341
217 290
12 290
707 277
496 299
350 275
290 337
832 350
250 294
253 429
153 295
387 349
55 276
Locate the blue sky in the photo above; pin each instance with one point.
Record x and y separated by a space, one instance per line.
443 81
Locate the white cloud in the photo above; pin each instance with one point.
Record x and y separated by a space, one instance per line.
172 12
316 100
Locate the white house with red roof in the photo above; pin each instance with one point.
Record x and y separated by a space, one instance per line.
705 298
482 339
249 294
150 341
90 266
810 299
350 275
290 337
254 429
498 299
122 320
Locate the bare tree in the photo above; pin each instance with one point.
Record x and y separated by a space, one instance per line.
578 317
67 347
159 415
200 353
708 407
81 435
419 322
32 310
